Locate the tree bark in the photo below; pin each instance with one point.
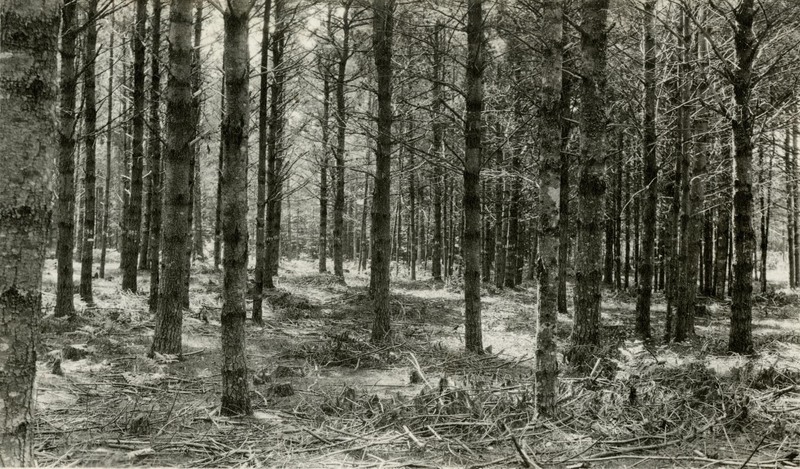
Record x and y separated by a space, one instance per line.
235 385
591 184
261 189
473 152
28 143
322 249
438 149
90 150
109 135
341 129
723 222
133 214
565 235
275 152
383 25
154 151
549 208
179 134
65 207
220 165
649 174
746 46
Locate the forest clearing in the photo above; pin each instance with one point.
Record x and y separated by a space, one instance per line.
439 233
355 404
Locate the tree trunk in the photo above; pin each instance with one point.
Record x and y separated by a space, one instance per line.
235 385
341 129
412 216
618 211
362 259
723 223
795 206
741 336
277 119
549 208
109 135
154 151
591 186
90 149
473 149
261 190
438 149
499 225
28 142
383 25
323 172
133 214
220 166
765 212
65 205
565 236
179 134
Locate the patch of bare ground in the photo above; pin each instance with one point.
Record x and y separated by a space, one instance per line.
324 396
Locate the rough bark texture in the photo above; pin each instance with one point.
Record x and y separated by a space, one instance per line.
744 39
235 386
277 122
436 254
90 150
133 213
649 175
154 151
65 206
341 129
323 172
109 134
549 208
383 23
473 153
28 143
565 235
261 188
723 222
591 184
179 132
220 165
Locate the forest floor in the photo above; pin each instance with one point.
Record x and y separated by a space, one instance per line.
323 396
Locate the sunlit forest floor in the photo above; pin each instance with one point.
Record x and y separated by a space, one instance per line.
323 396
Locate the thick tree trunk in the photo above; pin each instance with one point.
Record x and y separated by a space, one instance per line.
649 175
261 189
591 186
133 214
741 336
277 120
383 24
109 135
154 151
473 150
28 143
65 206
235 385
90 149
179 134
565 235
549 208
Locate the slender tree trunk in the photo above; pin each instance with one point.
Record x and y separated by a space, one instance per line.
549 208
565 236
499 225
220 167
28 143
341 129
65 207
362 259
179 134
383 25
133 214
323 172
746 46
275 148
90 149
473 150
591 186
795 206
109 135
412 217
235 384
627 197
723 222
154 150
261 190
790 182
438 149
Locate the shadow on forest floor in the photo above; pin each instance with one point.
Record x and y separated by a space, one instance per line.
323 395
